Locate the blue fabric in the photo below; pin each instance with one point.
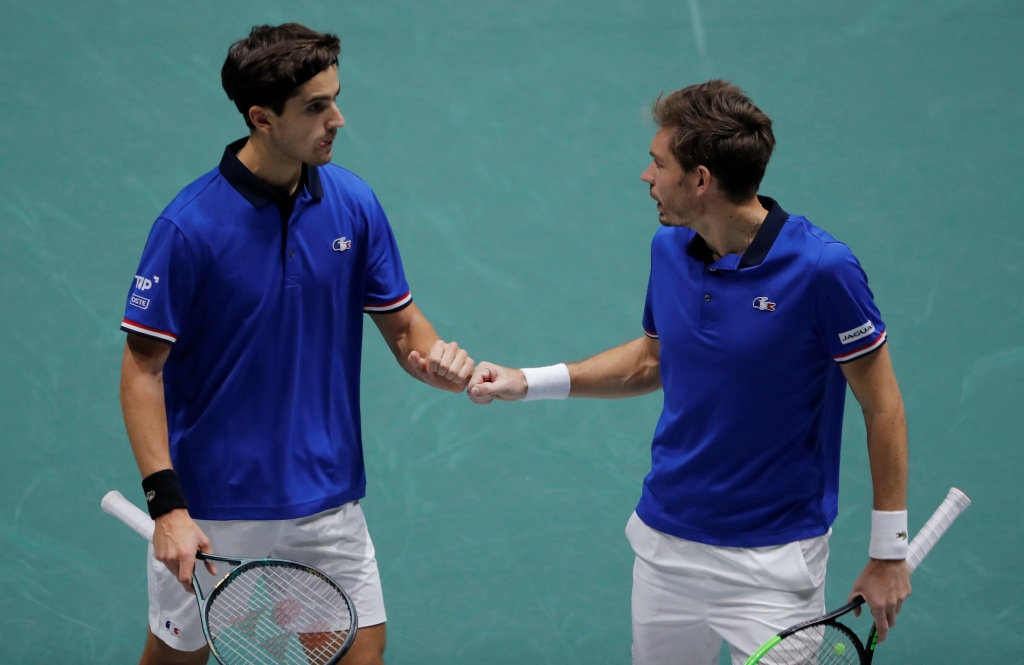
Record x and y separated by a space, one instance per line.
266 320
746 452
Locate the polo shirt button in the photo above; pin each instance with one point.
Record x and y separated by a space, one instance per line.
707 297
712 269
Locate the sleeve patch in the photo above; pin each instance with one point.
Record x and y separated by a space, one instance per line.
858 333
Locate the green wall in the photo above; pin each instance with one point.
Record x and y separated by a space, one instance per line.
505 140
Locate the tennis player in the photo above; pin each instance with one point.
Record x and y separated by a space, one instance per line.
755 321
240 377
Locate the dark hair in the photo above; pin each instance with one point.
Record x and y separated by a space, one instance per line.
265 68
717 126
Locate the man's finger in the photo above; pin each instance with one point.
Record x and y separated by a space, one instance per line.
452 361
418 362
452 364
435 356
483 373
185 567
467 369
883 620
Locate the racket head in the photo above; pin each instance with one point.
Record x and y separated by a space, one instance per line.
280 612
827 642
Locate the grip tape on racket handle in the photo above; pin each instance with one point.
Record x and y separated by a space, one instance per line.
115 504
954 504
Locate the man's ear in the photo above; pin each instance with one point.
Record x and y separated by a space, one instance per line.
703 178
260 118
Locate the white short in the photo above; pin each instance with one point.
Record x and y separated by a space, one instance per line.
688 597
334 541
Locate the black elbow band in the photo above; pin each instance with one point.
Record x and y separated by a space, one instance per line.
163 493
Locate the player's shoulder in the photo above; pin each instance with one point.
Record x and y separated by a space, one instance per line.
340 181
190 207
817 243
800 225
825 256
672 238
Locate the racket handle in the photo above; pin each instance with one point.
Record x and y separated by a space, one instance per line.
955 503
115 504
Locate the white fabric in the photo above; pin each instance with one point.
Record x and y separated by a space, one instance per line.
888 535
551 382
334 541
688 597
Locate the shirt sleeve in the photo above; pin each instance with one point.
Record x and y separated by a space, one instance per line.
162 289
386 287
850 323
650 329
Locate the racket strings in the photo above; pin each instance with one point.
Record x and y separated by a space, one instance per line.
278 614
823 644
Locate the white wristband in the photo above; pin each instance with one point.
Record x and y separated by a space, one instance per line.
888 535
551 382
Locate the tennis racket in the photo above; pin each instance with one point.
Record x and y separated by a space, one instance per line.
827 641
264 610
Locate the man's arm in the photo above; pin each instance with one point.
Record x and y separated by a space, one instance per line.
624 371
884 584
420 351
176 537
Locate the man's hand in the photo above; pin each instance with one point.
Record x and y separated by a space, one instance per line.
446 366
884 586
176 539
493 382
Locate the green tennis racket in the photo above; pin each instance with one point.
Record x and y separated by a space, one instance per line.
827 640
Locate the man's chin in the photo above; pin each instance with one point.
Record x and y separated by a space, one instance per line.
672 223
320 159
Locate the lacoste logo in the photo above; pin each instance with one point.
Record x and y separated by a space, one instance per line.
341 244
764 304
851 336
150 495
902 535
172 628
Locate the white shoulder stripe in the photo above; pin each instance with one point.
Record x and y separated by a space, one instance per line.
387 307
129 326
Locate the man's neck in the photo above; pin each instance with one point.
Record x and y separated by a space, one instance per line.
730 228
279 171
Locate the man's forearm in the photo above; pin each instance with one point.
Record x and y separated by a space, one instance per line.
144 411
624 371
888 458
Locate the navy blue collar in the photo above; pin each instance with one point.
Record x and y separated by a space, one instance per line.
255 190
765 238
761 244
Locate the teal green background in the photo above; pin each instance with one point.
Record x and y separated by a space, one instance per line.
505 140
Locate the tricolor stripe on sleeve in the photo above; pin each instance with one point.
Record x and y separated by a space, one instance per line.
131 326
652 335
863 351
396 304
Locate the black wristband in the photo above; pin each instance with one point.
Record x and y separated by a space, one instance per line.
163 493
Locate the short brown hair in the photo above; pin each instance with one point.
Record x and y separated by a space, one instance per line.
716 125
265 68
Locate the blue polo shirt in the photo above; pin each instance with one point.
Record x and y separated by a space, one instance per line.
264 310
746 452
